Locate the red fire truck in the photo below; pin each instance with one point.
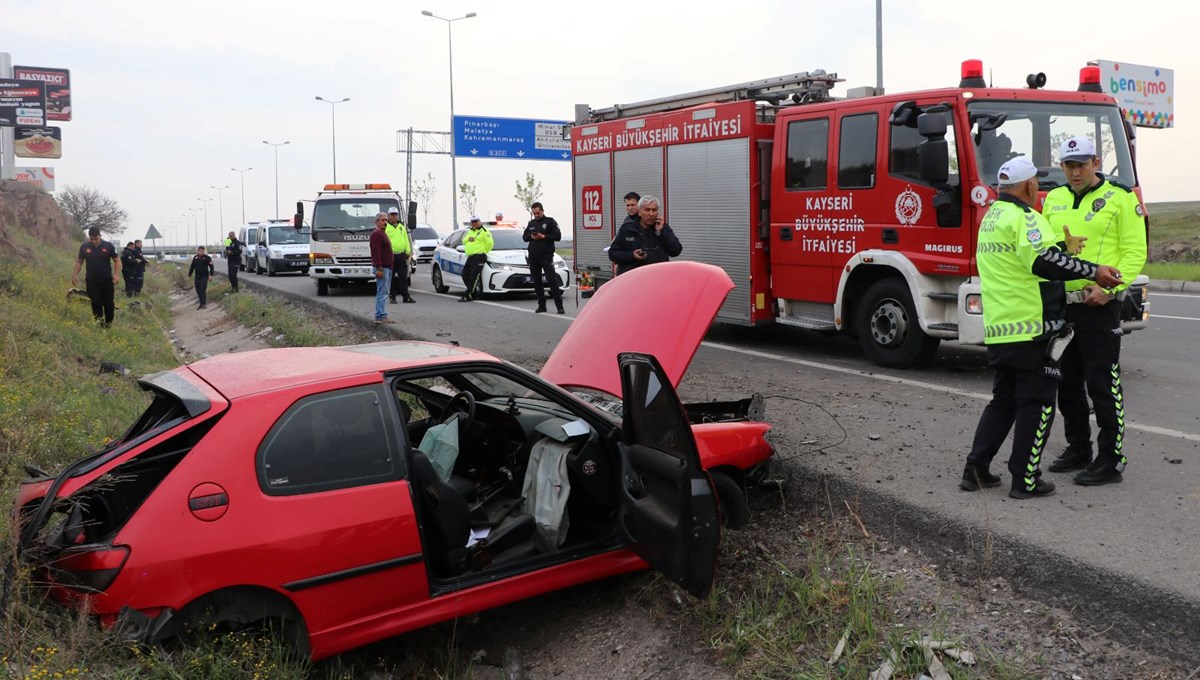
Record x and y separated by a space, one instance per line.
856 214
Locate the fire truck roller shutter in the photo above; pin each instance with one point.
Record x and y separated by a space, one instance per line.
709 199
593 169
639 170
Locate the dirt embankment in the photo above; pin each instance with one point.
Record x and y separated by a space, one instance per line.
33 211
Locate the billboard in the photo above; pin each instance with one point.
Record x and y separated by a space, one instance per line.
43 177
58 88
1146 94
37 142
22 102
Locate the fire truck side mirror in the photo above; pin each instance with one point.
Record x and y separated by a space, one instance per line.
298 220
412 215
932 125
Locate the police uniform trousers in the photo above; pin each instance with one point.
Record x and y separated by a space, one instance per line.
101 292
1091 367
234 265
400 274
471 274
541 269
1023 390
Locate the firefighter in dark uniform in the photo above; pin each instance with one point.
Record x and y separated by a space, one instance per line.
1111 218
139 269
101 278
129 268
541 234
646 240
233 258
1021 264
202 268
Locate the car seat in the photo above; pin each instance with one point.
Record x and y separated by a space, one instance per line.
446 524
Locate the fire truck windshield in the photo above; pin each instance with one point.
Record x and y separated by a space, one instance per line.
1037 129
351 214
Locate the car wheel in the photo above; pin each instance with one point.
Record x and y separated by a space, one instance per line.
888 329
270 269
257 268
322 288
735 510
436 277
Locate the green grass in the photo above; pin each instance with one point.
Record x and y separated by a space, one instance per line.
1172 271
299 325
1172 222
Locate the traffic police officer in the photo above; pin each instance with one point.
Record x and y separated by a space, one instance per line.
1021 263
397 233
1111 218
477 243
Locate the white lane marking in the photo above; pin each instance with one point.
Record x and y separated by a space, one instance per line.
1153 429
1180 318
1193 296
489 303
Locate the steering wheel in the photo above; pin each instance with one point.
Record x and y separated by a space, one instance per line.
467 408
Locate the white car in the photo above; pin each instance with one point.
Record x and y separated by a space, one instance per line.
506 270
425 241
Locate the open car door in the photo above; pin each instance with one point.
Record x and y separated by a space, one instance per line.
668 513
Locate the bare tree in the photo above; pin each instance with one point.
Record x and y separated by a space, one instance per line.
529 193
467 197
89 208
425 190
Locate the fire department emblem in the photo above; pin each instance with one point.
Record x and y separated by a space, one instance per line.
908 206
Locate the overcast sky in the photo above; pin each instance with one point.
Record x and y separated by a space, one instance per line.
168 96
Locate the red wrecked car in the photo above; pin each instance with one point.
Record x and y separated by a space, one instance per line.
355 493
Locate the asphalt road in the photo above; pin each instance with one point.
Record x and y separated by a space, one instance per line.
906 434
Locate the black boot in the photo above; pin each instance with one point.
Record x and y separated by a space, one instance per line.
1097 475
1040 488
559 307
973 478
1072 458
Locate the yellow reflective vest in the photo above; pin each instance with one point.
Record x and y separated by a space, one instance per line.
398 235
477 241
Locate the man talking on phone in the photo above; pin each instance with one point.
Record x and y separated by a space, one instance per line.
647 240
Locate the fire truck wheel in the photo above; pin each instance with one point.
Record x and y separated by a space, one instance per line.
888 329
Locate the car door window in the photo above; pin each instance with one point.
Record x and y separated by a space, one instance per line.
329 441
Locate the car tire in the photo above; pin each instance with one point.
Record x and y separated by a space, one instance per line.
257 269
322 287
270 269
735 509
435 276
888 329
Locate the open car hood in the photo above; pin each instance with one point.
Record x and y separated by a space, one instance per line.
662 309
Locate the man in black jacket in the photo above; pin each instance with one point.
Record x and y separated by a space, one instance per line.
541 235
129 258
645 241
202 268
233 258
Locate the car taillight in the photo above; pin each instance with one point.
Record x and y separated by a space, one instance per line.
90 568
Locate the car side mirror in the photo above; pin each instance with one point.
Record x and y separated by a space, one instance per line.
298 220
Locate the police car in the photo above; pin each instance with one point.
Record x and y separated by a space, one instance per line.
506 270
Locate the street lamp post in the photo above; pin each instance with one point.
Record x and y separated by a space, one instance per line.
220 208
453 156
204 204
333 127
242 173
190 214
277 171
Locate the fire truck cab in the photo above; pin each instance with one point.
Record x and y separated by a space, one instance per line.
856 214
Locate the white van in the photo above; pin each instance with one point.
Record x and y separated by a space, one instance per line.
281 248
